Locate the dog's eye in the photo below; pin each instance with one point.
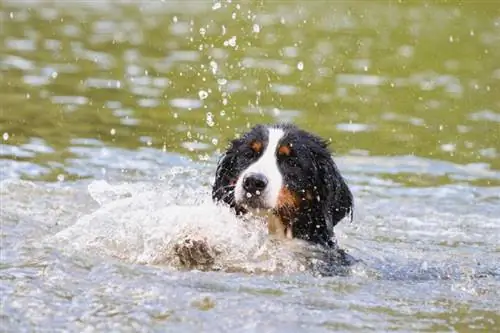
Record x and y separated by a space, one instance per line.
250 153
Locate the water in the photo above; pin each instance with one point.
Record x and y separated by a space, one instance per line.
112 118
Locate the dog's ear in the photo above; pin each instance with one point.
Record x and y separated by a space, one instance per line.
336 197
223 187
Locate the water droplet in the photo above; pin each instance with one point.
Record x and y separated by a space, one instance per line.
214 66
216 6
256 28
300 66
230 42
215 141
203 94
221 82
203 31
54 75
60 177
5 136
210 119
448 147
113 131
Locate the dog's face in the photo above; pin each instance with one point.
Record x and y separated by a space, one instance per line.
287 173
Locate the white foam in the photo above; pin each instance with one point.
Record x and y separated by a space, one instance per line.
140 223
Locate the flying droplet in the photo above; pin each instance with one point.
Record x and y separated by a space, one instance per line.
210 119
203 94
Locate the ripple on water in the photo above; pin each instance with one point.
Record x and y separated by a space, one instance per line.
102 83
113 243
36 80
360 79
185 103
485 115
17 62
354 127
71 100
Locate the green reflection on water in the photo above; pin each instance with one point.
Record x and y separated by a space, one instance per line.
418 78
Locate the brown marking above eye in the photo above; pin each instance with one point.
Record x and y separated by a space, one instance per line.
256 146
284 150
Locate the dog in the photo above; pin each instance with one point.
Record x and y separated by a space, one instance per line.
289 176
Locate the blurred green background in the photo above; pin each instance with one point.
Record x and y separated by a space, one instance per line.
176 79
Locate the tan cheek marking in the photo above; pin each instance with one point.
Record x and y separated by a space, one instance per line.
256 146
277 228
287 199
284 150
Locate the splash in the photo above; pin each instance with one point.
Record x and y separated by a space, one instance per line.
179 227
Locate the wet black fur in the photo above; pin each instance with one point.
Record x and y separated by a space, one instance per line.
310 172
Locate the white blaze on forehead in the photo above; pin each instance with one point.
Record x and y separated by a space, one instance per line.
266 165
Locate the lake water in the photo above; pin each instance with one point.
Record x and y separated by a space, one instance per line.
112 117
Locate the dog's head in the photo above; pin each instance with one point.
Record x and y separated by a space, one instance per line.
287 173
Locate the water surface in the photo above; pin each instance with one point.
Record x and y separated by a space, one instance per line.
112 118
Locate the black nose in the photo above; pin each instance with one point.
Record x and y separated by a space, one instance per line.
254 182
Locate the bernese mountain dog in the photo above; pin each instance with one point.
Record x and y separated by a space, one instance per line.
287 175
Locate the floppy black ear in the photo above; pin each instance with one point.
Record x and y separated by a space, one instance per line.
336 197
226 175
221 189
